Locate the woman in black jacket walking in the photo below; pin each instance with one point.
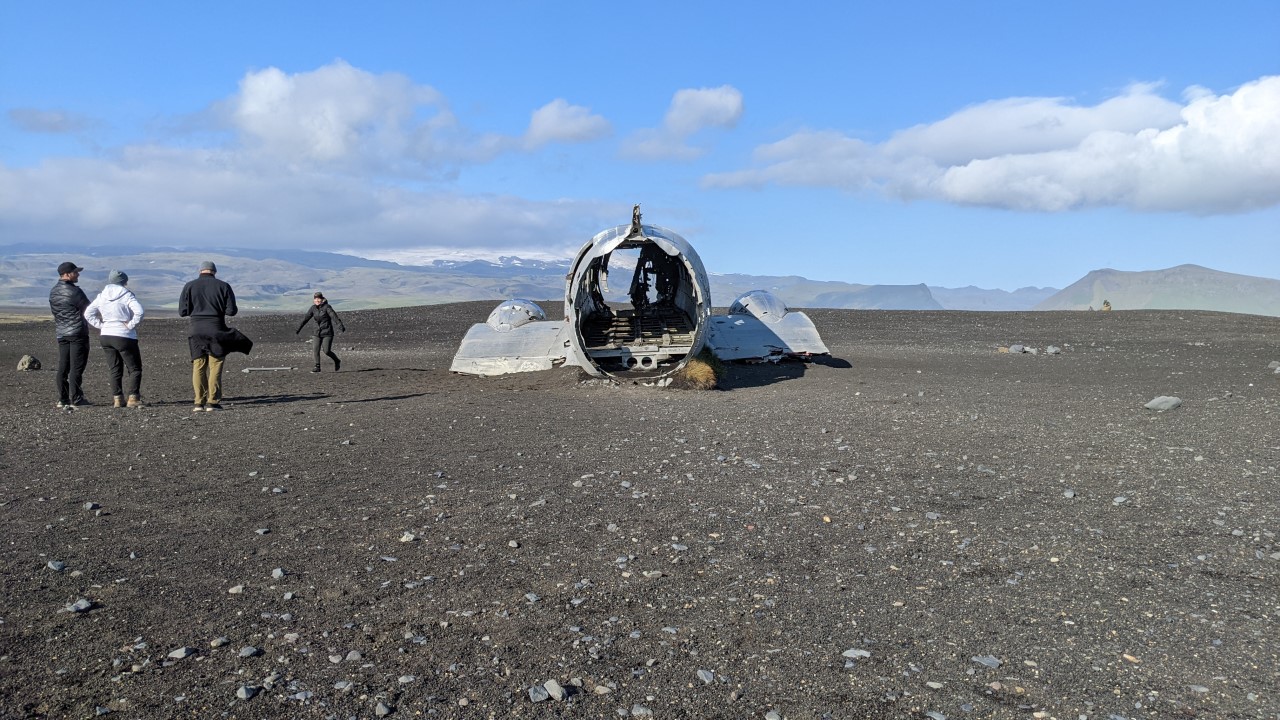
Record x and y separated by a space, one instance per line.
325 318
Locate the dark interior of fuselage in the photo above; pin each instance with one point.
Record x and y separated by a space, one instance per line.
646 322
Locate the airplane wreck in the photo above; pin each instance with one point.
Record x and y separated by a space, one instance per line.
647 331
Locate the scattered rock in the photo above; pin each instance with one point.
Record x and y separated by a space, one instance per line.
1164 402
28 362
180 653
246 692
987 660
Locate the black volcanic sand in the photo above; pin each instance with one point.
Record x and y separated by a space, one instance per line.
919 498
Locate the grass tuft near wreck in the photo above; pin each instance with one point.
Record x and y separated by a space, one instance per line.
701 373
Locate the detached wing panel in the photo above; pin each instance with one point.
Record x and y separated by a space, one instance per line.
534 346
745 337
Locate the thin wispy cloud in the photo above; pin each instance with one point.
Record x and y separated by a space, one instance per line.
1209 154
691 111
53 122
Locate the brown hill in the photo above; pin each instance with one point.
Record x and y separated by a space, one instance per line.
1185 287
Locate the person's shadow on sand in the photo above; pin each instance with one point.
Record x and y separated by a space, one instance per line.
273 399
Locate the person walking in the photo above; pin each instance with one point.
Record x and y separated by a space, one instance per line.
68 303
325 316
116 312
208 301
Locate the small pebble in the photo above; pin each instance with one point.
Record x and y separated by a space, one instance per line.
987 660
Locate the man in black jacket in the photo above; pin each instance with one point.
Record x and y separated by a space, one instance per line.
325 318
68 303
208 301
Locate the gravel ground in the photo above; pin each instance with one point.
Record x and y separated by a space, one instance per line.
920 526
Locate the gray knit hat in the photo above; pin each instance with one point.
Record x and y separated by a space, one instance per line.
208 265
117 277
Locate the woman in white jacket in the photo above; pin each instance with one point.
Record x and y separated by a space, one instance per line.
117 312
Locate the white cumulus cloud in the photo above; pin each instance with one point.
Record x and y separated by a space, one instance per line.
334 158
1211 154
691 111
558 121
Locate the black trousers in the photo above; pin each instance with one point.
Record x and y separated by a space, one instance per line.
322 343
124 361
73 355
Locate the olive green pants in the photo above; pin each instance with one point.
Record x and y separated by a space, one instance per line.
206 379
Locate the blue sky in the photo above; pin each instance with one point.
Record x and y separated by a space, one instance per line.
998 144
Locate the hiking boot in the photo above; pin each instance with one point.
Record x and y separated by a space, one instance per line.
211 407
135 401
198 407
336 364
117 401
81 403
315 369
62 404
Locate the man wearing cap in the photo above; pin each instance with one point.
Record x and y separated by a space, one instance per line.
208 301
116 313
68 303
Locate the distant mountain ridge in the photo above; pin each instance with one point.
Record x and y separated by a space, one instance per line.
1185 287
283 280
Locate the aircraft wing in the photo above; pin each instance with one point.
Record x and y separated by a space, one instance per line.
746 337
536 346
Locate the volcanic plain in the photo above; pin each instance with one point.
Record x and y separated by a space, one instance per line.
919 526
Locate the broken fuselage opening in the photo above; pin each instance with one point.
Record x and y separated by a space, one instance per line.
653 318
